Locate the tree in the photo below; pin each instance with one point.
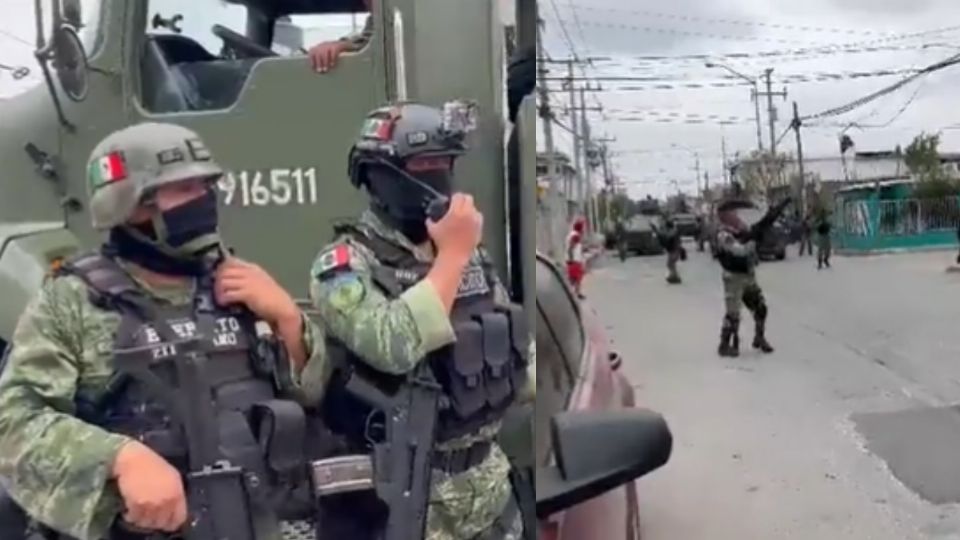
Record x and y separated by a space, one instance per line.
922 158
759 172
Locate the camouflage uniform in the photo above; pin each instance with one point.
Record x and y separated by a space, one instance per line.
393 336
740 285
671 241
823 242
56 466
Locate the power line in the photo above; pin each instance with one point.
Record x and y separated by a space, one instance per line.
16 38
890 89
830 49
570 44
576 20
737 22
732 82
789 78
899 113
563 28
673 31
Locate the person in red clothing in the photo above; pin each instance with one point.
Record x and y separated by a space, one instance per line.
576 267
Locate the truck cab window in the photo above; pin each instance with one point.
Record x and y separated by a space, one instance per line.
184 64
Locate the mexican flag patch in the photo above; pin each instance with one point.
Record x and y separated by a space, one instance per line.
338 257
378 128
108 169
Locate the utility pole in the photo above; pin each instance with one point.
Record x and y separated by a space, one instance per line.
587 182
772 118
575 124
585 146
756 107
697 166
771 110
723 150
553 178
546 116
602 149
800 187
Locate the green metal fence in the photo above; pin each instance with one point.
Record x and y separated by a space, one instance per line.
870 224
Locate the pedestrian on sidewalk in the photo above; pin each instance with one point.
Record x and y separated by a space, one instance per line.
576 262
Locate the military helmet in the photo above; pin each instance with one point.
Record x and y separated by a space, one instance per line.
132 162
734 203
397 133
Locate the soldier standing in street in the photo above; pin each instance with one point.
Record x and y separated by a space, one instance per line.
701 233
824 247
671 241
83 448
737 253
407 285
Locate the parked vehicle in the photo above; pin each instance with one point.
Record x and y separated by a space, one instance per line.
591 443
640 238
686 224
773 244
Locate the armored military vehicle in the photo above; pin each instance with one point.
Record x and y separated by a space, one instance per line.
280 128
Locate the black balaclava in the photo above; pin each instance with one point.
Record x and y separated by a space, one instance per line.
402 202
175 242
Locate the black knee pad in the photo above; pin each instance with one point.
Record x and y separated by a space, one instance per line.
753 298
760 313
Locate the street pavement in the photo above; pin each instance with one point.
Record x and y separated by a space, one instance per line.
847 431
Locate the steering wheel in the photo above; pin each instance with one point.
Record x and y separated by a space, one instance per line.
242 45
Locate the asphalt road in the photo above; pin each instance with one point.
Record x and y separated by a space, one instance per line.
845 432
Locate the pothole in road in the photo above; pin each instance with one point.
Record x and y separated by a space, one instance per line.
920 447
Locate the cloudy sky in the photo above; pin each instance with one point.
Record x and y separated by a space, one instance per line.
823 51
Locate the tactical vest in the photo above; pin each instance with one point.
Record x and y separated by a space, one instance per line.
734 263
259 432
483 372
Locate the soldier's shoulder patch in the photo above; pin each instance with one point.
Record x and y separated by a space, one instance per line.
335 258
346 291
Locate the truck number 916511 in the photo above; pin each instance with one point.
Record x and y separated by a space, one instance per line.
280 187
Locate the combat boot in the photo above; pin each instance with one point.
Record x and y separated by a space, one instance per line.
729 339
760 341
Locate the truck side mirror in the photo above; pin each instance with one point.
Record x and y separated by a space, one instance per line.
597 451
72 13
70 60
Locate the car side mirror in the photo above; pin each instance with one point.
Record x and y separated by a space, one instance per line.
597 451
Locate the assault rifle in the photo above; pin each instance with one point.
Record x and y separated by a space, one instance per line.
758 229
402 461
217 490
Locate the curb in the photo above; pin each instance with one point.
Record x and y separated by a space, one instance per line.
894 251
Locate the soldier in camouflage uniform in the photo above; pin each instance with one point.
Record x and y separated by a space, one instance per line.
77 467
823 239
397 290
737 253
669 238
